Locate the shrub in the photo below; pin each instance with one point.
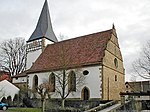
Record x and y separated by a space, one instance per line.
16 100
9 101
4 100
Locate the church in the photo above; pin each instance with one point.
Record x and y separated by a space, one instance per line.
94 60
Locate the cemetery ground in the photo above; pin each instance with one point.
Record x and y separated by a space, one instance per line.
22 110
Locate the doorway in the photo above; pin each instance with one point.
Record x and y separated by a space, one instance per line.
85 93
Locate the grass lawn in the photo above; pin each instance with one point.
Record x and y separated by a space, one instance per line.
24 110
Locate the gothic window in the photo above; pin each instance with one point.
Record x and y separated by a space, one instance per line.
35 83
52 82
72 81
85 93
116 63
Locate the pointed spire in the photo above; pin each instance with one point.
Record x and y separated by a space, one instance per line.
44 26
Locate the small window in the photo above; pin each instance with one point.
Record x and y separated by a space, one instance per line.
116 63
85 72
115 77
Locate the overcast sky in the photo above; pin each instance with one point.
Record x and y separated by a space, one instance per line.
72 18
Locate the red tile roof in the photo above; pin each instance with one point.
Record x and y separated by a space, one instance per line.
80 51
4 76
23 74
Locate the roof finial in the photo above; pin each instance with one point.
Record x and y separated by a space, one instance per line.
45 1
113 26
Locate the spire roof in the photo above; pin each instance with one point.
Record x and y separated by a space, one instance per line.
44 26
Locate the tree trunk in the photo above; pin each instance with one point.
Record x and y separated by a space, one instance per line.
63 90
43 105
63 103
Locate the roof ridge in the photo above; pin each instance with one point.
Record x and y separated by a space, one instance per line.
79 37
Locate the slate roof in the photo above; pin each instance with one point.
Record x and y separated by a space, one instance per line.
80 51
44 26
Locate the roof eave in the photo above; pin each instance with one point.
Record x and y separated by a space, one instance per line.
61 68
40 38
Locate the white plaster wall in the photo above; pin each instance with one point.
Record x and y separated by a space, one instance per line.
19 80
41 78
32 56
143 98
48 42
8 89
92 81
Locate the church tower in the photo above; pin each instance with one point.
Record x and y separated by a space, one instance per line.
41 37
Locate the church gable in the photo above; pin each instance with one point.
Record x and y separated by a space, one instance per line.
113 70
112 53
80 51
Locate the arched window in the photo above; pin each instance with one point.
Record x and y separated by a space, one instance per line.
72 81
35 83
116 63
52 82
85 93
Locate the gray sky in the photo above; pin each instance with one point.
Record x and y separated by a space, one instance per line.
18 18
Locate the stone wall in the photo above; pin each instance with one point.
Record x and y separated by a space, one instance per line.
113 71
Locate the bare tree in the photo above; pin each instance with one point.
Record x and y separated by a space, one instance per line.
13 55
44 91
62 82
142 64
65 63
62 37
64 87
